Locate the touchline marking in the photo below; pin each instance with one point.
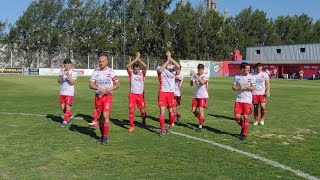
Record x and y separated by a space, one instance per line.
28 114
254 156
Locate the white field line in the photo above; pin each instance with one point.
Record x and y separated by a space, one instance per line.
229 148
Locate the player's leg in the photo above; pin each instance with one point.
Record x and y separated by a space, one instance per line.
162 103
237 114
263 111
201 119
255 102
95 117
246 109
142 106
178 115
256 114
104 123
195 109
161 120
171 119
132 105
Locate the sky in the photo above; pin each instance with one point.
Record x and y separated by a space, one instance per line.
11 10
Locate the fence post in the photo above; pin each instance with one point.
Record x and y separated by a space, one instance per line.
11 58
111 62
88 61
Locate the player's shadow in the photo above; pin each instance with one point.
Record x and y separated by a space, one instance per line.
217 131
54 118
87 118
84 130
156 119
126 123
222 117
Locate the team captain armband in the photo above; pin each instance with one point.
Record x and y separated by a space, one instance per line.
114 79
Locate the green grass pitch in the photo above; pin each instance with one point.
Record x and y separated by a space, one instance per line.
34 147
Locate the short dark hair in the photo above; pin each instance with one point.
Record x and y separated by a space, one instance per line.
67 61
258 65
200 66
136 65
244 65
102 54
164 57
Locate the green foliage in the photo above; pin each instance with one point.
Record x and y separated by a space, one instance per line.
79 28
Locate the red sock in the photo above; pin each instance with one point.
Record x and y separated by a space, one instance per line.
245 126
197 115
143 115
239 121
256 113
131 118
172 119
101 127
263 112
95 116
201 120
161 120
67 115
106 128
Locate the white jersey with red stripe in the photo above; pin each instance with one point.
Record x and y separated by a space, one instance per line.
166 79
67 89
104 79
137 82
245 95
261 79
178 84
201 90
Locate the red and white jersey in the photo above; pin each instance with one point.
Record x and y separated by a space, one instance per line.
245 95
261 79
166 79
136 82
201 90
67 89
178 84
104 79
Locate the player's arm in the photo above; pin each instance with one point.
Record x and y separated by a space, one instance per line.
235 87
144 66
201 81
267 88
172 60
163 66
71 79
60 78
129 69
92 85
115 86
251 88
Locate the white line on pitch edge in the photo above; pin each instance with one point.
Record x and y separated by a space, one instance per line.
254 156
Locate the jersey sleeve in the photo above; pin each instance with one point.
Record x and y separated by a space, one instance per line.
114 77
93 76
206 77
74 75
234 80
253 81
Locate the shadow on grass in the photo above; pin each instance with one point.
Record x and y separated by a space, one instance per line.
125 124
85 117
222 117
217 131
84 130
81 129
55 118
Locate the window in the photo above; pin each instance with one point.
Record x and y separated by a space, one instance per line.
258 51
302 50
278 51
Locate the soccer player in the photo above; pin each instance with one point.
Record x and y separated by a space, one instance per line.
243 84
301 75
177 92
166 79
104 80
260 93
67 79
200 97
136 95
